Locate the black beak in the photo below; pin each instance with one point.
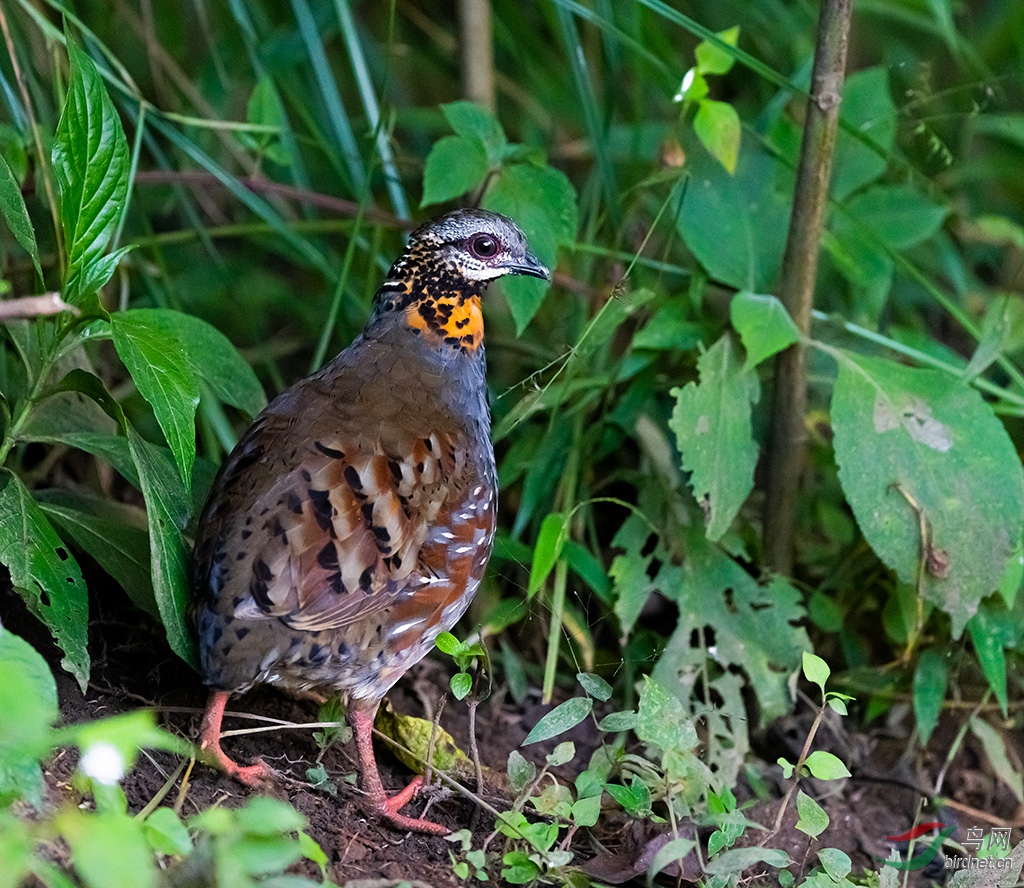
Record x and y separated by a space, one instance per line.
530 266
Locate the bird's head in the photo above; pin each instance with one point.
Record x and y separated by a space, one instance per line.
438 280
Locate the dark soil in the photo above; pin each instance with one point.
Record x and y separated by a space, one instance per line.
132 667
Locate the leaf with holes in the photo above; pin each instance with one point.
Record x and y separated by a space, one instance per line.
714 433
90 164
44 573
920 448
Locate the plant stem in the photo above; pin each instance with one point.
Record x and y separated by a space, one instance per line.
799 270
477 48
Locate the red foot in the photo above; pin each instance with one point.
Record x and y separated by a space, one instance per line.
388 809
255 775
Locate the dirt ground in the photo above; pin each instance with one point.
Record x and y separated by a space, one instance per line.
132 667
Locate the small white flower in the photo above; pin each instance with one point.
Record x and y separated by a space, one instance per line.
103 763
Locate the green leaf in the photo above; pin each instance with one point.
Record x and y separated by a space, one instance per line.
812 817
717 125
614 722
635 575
898 215
447 643
661 719
930 679
90 163
991 631
764 325
474 123
550 539
868 108
736 860
712 59
836 863
826 766
994 744
166 833
734 224
594 685
563 754
45 573
562 718
904 434
461 684
1002 331
157 359
816 670
521 771
12 205
264 816
542 201
454 166
111 532
672 851
714 433
108 850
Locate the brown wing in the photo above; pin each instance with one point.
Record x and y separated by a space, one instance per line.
320 529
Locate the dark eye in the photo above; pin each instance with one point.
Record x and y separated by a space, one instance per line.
483 246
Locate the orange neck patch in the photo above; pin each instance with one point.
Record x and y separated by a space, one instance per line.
455 320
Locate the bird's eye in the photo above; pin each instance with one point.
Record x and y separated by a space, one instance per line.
483 246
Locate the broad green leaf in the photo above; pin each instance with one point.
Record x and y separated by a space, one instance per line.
930 679
816 670
594 685
212 356
264 816
108 850
521 771
711 58
631 571
12 205
454 166
917 445
168 508
90 164
474 123
994 744
836 863
825 765
461 684
763 323
158 361
734 224
550 540
45 573
714 433
868 108
661 719
735 860
672 851
717 125
756 627
614 722
166 833
111 532
542 201
447 643
562 718
28 700
812 817
898 215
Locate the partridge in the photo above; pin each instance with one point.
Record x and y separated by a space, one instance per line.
353 521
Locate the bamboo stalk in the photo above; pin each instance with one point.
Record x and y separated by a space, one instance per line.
477 49
799 271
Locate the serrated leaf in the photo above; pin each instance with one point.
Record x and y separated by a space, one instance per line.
547 550
868 108
763 323
157 359
930 679
826 766
816 670
562 718
542 201
454 166
12 205
90 163
474 123
45 573
734 224
901 432
714 433
717 125
812 819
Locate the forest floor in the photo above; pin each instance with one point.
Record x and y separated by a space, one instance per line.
132 668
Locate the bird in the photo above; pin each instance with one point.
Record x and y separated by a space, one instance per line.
353 521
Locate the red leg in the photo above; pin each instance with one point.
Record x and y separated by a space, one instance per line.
388 808
254 775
